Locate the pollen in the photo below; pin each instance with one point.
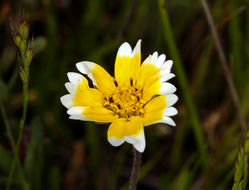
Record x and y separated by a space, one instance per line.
126 102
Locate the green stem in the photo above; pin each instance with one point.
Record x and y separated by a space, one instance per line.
22 122
12 142
181 76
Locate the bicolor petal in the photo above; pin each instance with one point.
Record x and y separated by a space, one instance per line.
86 96
153 110
97 114
127 64
131 131
100 78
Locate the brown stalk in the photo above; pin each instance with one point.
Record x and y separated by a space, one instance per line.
135 169
224 65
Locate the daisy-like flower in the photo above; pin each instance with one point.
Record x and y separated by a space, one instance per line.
138 96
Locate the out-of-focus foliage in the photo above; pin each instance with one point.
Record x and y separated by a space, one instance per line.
58 153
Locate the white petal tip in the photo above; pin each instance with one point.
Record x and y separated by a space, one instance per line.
75 78
166 77
137 48
139 147
167 65
160 60
125 50
78 117
167 88
115 141
171 99
137 141
170 111
70 88
155 55
85 67
67 100
167 120
77 110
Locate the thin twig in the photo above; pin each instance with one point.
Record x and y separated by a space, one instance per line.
230 16
224 64
7 126
135 169
11 139
126 20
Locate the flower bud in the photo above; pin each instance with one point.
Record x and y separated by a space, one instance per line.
23 46
29 55
24 30
17 40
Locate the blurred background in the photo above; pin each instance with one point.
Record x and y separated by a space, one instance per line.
57 153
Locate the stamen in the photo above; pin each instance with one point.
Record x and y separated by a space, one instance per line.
131 81
111 99
119 107
115 82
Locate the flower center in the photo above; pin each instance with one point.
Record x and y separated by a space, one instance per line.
126 102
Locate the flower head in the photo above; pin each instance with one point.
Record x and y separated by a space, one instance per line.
138 95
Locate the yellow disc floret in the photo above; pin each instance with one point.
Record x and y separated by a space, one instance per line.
126 102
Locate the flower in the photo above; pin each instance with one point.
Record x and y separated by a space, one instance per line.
138 96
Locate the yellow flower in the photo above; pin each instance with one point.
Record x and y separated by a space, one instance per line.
138 95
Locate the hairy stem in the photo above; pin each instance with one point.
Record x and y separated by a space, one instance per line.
135 169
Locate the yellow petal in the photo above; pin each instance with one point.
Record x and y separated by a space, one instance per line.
149 80
100 77
127 64
85 96
153 74
99 114
123 127
153 110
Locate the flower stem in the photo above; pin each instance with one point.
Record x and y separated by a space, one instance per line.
22 122
26 50
135 169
